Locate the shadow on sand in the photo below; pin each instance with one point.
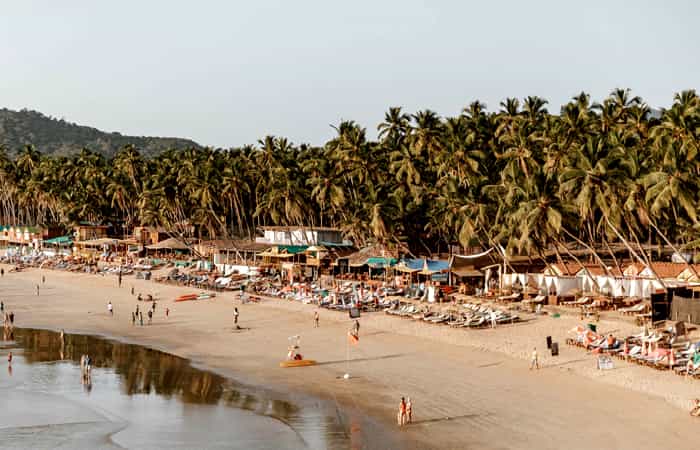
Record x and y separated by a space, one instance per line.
376 358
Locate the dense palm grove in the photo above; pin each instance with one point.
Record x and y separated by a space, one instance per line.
520 177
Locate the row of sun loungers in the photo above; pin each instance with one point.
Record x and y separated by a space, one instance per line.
472 315
664 357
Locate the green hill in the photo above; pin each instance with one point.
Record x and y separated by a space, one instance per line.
60 138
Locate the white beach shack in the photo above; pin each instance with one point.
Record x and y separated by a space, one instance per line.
642 280
554 281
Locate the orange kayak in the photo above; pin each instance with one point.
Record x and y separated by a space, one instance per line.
298 363
184 298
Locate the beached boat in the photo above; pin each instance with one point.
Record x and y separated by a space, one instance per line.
297 363
200 296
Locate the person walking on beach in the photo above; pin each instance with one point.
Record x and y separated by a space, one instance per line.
132 290
154 306
401 416
2 272
316 319
150 316
141 318
409 410
12 318
9 358
167 312
133 318
356 328
43 279
493 319
235 316
120 277
37 290
110 308
534 361
2 307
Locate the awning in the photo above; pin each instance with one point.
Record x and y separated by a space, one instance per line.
62 240
169 244
379 262
405 269
468 273
100 242
273 254
293 249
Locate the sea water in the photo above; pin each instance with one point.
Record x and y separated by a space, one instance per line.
142 398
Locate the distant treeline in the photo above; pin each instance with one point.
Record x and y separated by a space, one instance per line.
57 137
520 177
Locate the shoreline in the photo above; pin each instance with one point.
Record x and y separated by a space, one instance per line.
449 373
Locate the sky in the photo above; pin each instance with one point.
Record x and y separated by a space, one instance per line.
227 73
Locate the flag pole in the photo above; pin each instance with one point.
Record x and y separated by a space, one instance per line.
347 357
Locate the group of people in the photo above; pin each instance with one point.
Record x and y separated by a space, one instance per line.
405 415
8 318
138 314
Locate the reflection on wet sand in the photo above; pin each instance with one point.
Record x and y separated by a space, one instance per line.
146 371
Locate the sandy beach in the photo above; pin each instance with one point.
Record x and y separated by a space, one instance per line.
470 388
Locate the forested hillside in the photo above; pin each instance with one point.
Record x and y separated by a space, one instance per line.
57 137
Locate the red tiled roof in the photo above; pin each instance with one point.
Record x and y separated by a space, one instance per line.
599 271
662 269
668 269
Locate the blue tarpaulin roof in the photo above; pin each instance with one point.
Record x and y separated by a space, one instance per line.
434 265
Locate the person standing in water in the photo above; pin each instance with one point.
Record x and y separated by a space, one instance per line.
401 416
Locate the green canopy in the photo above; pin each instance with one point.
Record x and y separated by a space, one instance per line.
380 262
62 240
293 249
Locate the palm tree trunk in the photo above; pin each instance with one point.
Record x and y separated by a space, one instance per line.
633 253
663 236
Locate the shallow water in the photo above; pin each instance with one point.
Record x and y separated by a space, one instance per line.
142 398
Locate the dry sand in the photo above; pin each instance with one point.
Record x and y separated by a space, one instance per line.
470 388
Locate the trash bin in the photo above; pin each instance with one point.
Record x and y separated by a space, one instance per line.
549 342
592 327
555 349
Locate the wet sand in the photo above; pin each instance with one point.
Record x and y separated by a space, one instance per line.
470 389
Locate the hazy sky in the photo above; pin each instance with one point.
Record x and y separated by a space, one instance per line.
226 73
